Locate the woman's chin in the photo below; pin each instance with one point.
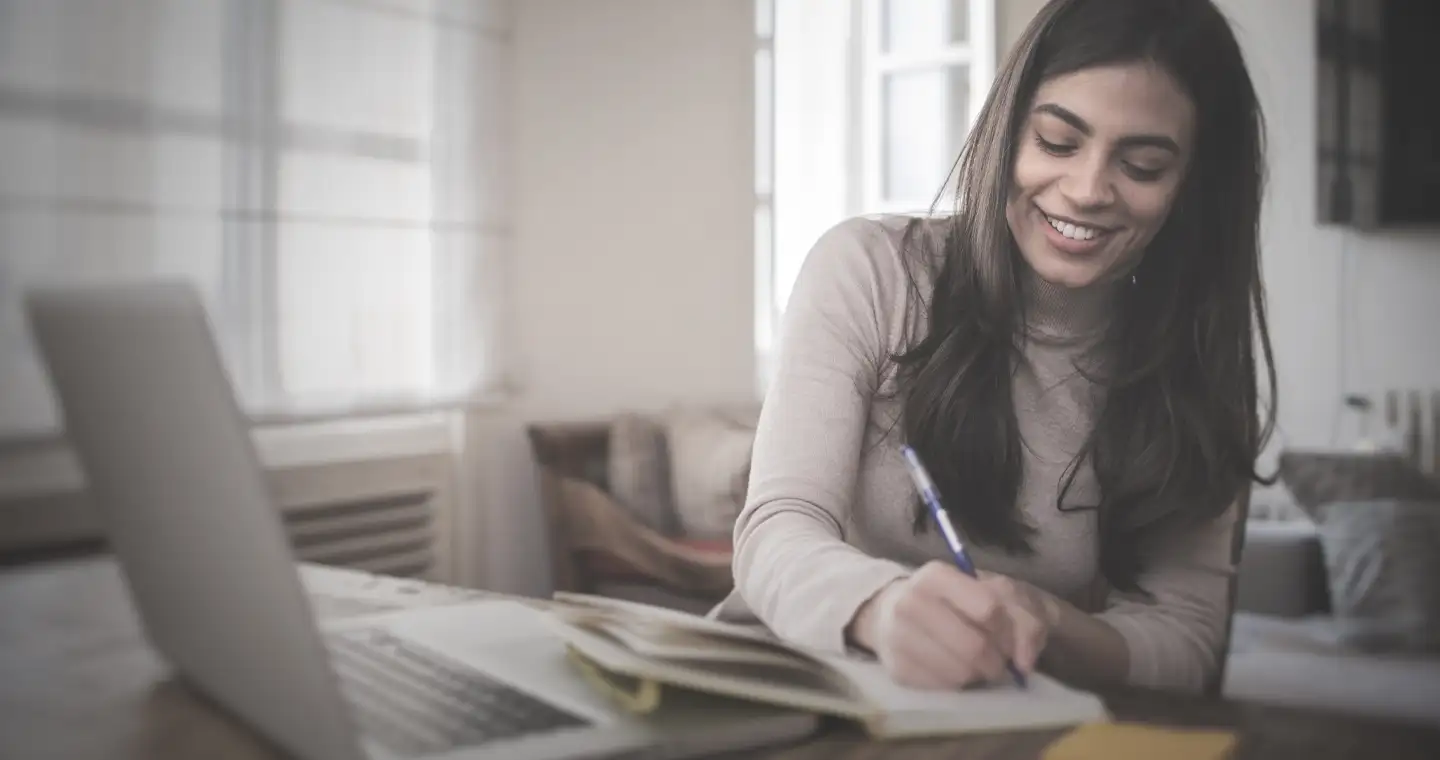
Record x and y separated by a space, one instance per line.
1066 273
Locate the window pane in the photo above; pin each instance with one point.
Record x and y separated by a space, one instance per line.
914 26
925 117
111 164
350 68
355 312
62 244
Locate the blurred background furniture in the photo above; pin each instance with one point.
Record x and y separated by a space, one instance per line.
1288 649
640 506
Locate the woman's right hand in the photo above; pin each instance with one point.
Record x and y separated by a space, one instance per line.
938 629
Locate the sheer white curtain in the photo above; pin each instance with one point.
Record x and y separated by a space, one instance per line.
329 174
863 106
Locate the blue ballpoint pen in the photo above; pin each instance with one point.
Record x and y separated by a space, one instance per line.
931 496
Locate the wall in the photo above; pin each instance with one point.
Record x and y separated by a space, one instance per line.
633 200
1377 291
1011 18
633 278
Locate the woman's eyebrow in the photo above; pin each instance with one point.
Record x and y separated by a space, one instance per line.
1163 142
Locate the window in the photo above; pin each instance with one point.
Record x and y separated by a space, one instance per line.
862 107
926 65
328 174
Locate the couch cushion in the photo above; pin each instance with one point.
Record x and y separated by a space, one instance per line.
709 467
639 471
1306 662
609 542
1378 518
1282 569
1317 634
1383 559
1392 689
1317 478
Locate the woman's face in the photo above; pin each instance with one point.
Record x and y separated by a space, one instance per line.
1101 157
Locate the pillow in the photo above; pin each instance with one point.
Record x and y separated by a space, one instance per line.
639 471
1316 478
615 547
1378 519
1383 561
709 468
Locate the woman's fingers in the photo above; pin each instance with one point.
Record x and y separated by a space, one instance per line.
952 644
1027 641
923 661
1029 616
940 628
975 601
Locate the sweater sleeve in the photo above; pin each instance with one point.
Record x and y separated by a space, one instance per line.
792 565
1175 630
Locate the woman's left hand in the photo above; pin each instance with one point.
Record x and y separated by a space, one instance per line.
1034 614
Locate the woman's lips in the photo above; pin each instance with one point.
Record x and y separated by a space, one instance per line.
1069 245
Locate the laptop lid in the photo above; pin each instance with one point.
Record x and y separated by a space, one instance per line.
151 415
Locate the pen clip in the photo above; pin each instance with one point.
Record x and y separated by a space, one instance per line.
951 537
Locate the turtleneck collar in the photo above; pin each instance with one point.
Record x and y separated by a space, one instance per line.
1056 311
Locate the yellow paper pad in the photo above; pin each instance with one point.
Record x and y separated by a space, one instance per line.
1134 741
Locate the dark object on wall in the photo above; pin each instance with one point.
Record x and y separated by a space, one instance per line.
1378 131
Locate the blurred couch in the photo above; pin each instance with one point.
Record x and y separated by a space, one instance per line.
641 506
1339 612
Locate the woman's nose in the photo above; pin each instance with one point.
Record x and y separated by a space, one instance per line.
1089 185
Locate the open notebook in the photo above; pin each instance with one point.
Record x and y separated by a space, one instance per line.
636 652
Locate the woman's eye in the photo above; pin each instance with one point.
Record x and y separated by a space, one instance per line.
1141 174
1054 149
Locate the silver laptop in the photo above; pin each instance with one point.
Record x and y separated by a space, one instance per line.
154 422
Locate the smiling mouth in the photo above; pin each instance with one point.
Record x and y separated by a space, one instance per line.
1074 230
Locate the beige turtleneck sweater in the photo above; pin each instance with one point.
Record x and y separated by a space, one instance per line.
827 519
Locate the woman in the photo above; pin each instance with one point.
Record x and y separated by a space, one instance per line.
1072 354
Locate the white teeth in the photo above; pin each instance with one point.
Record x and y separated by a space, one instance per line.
1074 232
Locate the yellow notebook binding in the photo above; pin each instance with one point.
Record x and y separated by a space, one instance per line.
636 695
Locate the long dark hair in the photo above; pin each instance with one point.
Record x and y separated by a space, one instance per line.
1178 435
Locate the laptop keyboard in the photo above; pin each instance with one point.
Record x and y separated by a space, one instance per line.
415 702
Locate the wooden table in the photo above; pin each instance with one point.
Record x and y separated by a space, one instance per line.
77 681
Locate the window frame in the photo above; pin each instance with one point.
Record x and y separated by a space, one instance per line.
977 54
767 311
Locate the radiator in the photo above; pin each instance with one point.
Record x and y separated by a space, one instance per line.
386 515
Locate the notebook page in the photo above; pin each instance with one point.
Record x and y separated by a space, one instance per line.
662 641
1002 705
675 618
